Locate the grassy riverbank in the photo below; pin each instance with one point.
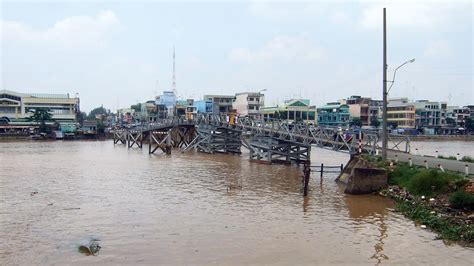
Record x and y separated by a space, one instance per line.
432 198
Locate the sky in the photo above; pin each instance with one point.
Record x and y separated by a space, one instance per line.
118 53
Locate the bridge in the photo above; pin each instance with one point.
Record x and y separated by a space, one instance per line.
268 140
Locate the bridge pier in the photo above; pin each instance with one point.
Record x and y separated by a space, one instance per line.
135 137
120 136
183 136
160 139
218 139
270 150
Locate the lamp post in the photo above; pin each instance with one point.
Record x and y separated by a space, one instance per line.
385 91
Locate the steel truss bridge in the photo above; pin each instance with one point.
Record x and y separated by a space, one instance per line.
268 140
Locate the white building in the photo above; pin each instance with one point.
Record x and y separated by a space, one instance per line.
248 103
17 107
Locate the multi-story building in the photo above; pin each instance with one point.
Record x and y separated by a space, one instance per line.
204 106
401 112
16 108
364 108
294 109
430 116
471 110
248 103
334 114
458 114
166 104
375 110
220 103
359 108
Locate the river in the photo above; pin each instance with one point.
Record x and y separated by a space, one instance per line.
193 208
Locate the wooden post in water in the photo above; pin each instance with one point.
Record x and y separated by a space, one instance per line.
306 172
322 170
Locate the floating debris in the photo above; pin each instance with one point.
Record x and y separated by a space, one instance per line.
90 247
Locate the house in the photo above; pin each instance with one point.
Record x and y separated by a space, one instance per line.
248 104
294 109
334 114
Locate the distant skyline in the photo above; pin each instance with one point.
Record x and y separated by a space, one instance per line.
119 53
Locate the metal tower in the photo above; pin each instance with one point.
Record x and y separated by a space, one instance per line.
174 76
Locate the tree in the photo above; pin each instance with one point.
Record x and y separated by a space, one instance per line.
97 111
451 122
375 122
41 116
392 125
137 107
469 124
356 122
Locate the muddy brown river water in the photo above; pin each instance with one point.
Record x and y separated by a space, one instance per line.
194 208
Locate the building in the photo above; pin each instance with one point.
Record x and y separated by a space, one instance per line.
125 115
220 103
248 104
359 108
334 114
458 115
294 110
375 111
16 108
401 113
204 106
166 104
430 116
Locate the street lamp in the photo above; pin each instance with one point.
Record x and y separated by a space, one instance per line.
395 73
384 115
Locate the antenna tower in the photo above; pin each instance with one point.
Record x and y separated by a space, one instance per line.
174 76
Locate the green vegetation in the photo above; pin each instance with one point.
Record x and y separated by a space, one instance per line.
419 181
467 159
469 124
446 228
440 185
447 157
462 200
41 116
356 122
375 122
97 111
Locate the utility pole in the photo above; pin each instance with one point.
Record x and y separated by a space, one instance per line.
384 109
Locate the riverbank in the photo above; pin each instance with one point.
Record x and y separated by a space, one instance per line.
440 201
442 137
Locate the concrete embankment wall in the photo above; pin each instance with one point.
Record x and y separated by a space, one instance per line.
359 177
443 137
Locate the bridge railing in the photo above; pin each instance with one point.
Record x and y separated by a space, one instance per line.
335 138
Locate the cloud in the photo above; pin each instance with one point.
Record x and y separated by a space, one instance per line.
415 15
440 48
285 48
72 31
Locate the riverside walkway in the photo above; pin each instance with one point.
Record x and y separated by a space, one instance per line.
433 162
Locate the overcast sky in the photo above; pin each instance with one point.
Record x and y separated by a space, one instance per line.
119 53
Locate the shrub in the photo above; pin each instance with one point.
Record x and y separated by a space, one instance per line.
401 175
468 159
462 200
447 157
431 182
